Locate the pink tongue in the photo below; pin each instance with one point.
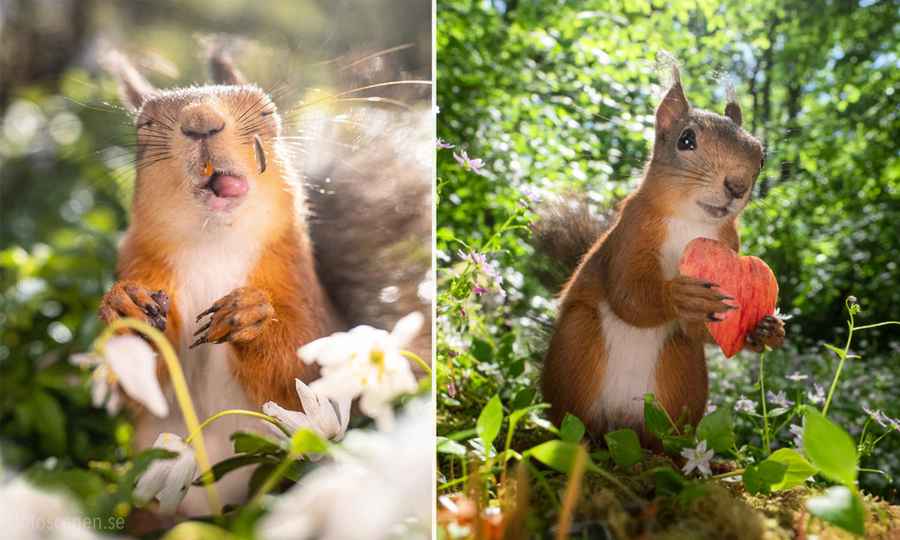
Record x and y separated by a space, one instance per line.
228 186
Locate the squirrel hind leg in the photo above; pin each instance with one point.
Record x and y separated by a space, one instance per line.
682 385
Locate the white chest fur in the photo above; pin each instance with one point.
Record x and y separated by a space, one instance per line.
205 272
632 353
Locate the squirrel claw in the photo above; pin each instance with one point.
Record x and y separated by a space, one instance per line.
240 316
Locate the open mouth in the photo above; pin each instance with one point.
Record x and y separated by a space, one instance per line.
714 211
224 190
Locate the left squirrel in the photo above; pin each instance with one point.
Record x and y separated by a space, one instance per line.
219 254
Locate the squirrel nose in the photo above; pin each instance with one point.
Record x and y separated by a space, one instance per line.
200 121
735 187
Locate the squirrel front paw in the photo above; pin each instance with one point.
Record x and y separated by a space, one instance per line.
768 333
696 300
133 300
238 317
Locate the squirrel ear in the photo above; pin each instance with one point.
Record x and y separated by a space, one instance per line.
221 67
733 111
133 87
673 106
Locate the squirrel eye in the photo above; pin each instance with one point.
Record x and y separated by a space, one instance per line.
145 123
687 140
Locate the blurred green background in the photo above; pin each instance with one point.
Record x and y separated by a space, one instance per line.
558 97
66 179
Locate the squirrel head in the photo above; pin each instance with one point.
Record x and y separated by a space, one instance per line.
207 156
703 165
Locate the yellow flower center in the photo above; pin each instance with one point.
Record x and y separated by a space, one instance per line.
377 358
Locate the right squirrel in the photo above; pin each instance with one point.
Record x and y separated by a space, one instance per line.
629 323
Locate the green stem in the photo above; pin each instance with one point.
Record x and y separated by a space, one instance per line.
876 325
230 412
273 478
417 359
837 374
762 396
736 472
182 394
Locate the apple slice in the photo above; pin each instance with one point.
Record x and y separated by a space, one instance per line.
748 279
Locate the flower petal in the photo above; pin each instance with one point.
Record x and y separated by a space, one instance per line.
408 328
134 363
291 420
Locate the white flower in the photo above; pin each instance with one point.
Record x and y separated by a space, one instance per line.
797 376
168 480
28 513
379 487
817 395
711 408
366 362
698 458
779 399
328 418
129 363
745 405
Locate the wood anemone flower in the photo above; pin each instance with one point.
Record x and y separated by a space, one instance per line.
126 363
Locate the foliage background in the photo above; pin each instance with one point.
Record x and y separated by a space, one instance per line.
558 97
66 178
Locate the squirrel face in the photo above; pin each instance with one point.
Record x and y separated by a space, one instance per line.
209 141
703 165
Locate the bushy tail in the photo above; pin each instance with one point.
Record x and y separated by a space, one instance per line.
565 230
370 198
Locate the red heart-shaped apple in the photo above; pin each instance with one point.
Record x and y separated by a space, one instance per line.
748 279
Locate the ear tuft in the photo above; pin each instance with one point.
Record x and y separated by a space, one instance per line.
733 111
674 104
133 87
732 108
221 66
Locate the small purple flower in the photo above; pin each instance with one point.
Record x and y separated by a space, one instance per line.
817 395
531 194
698 458
879 417
797 376
470 164
779 399
486 269
443 145
745 405
797 432
710 408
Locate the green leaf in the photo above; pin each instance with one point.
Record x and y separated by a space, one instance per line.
481 350
655 418
556 454
306 441
798 469
624 447
840 507
760 477
448 446
234 463
717 429
829 448
251 443
668 481
50 423
571 429
489 421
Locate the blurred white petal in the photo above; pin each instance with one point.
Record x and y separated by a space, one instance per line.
134 363
379 483
408 328
168 479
